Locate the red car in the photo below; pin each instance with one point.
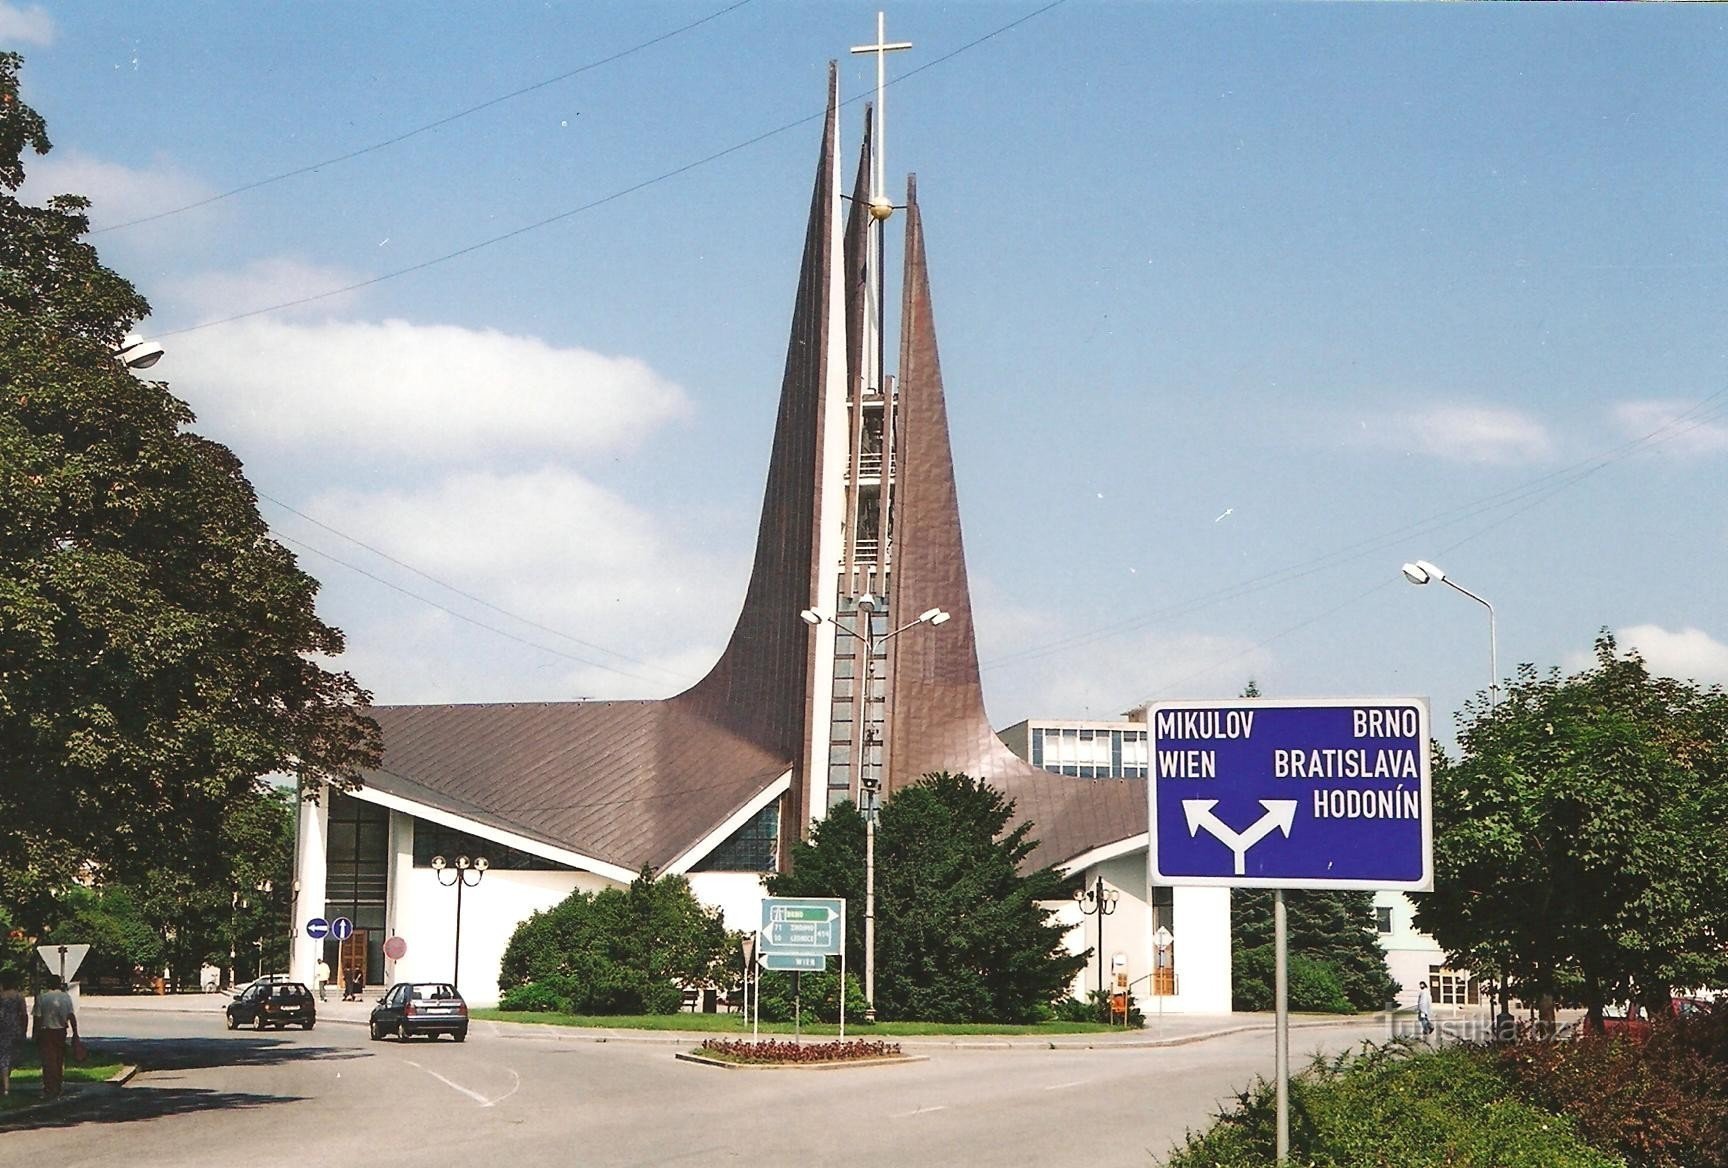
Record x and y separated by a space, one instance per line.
1632 1020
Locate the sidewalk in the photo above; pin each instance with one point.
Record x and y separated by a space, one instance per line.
1170 1030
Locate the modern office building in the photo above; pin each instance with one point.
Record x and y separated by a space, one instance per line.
1083 750
877 685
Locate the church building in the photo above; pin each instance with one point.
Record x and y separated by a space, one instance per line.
875 686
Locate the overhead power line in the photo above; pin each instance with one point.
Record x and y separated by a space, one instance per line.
480 600
644 184
418 130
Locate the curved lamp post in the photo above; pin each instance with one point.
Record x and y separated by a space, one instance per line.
1423 572
459 873
1100 902
872 783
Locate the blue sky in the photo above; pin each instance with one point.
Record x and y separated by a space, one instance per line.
1241 306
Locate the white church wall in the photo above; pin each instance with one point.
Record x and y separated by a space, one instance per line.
738 896
311 871
1202 945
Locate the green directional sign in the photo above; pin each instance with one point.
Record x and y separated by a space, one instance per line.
804 927
795 962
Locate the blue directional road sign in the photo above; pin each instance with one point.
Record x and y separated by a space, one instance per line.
317 928
1329 793
341 928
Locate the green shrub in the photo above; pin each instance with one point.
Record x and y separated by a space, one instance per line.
617 951
1315 987
819 997
1096 1008
1660 1101
1389 1108
537 997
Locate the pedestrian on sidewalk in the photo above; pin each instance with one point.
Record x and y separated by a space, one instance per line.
356 986
14 1024
54 1015
1424 1010
323 980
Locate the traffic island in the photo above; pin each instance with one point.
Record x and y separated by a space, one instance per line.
739 1054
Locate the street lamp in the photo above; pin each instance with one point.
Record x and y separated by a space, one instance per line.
459 874
137 353
1101 902
1422 572
872 784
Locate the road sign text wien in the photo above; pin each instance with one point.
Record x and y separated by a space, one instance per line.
803 926
1326 793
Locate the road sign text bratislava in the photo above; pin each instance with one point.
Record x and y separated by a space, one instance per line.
1326 793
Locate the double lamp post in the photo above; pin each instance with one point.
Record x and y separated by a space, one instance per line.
871 782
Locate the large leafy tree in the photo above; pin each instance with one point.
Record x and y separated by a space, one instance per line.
158 650
962 932
1580 850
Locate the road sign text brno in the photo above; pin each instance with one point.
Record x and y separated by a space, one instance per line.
803 926
1326 793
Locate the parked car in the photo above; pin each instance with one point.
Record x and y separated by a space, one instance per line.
264 1004
420 1007
1632 1020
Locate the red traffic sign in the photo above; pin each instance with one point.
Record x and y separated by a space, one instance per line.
395 948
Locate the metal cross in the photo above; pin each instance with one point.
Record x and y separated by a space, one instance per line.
879 132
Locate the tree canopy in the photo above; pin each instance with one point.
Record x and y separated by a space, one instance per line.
962 933
158 650
616 951
1579 846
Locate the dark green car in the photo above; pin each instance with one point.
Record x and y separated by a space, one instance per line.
420 1007
278 1004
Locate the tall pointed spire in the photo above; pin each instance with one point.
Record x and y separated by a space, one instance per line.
760 689
936 718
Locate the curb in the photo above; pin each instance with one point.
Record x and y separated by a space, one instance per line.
122 1076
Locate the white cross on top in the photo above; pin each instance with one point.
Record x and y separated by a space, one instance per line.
879 133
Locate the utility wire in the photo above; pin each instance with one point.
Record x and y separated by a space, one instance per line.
463 616
1539 489
644 184
418 130
1589 467
480 600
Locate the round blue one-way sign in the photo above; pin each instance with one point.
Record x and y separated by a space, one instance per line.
317 927
341 928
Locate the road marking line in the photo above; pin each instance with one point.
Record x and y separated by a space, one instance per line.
474 1095
1060 1086
922 1111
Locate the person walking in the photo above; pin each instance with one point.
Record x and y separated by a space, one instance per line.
323 979
1424 1010
14 1023
54 1015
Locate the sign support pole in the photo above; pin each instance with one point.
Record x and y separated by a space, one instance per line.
1281 1041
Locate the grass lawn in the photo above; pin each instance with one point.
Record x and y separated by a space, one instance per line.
736 1024
27 1074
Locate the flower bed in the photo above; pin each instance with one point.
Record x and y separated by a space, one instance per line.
740 1050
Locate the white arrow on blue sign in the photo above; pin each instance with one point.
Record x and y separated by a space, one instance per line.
341 928
1329 793
317 927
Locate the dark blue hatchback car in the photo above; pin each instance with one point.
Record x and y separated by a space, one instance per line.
420 1007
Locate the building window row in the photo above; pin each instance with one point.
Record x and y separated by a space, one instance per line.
434 839
1090 753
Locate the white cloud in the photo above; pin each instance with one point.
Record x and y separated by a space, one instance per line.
399 393
1474 434
25 26
1688 654
548 545
1669 430
117 193
261 283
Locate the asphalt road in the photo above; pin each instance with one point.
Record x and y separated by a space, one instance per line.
522 1097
